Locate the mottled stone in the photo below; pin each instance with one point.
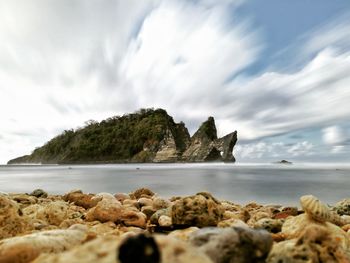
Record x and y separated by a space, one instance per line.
294 227
121 197
231 215
107 250
233 245
53 213
343 207
286 212
183 234
160 203
143 201
199 210
131 203
12 220
132 218
232 222
269 224
79 198
155 217
101 250
141 192
229 206
24 199
26 248
39 193
315 244
165 221
148 211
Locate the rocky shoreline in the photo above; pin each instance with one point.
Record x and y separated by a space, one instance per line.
144 227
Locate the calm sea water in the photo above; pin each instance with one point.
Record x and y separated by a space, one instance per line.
265 183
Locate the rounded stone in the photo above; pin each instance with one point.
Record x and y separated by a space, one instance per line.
199 210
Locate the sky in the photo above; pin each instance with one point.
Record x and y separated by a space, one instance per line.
276 71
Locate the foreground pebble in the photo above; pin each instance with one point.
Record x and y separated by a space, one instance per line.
144 227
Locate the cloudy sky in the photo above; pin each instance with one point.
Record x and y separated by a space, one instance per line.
276 71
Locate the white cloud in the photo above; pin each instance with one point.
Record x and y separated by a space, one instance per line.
336 34
334 135
272 150
338 149
276 103
301 148
62 63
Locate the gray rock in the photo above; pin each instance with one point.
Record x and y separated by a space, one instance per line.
39 193
233 245
206 147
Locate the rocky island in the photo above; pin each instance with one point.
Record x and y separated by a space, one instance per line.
143 227
145 136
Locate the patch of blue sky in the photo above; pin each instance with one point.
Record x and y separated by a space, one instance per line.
283 22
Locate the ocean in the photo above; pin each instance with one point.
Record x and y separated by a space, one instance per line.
240 183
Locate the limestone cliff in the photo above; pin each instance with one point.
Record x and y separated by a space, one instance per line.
206 147
146 136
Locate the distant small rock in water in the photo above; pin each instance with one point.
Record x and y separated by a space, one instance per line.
284 162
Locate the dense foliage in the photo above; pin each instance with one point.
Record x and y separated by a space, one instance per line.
132 137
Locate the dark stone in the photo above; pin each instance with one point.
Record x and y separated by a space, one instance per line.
141 248
233 245
39 193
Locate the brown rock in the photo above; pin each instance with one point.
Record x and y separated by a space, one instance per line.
79 198
26 248
232 222
24 199
100 250
183 234
143 201
132 218
148 211
142 192
160 203
108 209
121 197
199 210
12 220
286 211
53 213
165 221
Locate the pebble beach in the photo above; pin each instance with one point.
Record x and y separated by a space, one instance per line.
142 226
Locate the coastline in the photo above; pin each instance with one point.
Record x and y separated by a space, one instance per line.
102 227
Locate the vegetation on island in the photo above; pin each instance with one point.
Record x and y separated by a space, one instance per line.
132 137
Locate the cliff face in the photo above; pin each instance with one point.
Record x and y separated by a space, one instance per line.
206 147
146 136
